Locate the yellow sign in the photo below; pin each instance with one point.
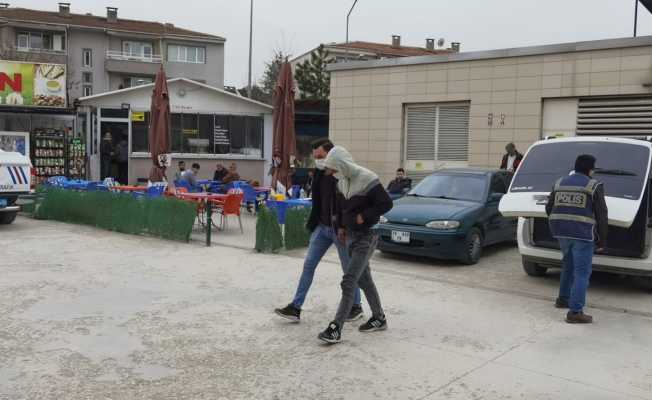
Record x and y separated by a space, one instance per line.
418 166
138 116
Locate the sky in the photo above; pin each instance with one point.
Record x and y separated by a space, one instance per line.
296 26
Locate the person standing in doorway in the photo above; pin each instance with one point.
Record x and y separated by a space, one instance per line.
578 219
322 225
364 202
122 157
512 158
106 155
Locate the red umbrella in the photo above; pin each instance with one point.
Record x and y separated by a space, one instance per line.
159 127
284 144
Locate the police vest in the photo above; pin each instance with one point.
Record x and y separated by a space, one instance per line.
572 216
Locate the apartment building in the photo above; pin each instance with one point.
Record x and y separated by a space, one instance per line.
106 53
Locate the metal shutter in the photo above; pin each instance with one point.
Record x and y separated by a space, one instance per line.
626 116
453 133
421 128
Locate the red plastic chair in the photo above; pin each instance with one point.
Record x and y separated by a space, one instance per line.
230 206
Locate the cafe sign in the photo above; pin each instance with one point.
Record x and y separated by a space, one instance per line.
32 85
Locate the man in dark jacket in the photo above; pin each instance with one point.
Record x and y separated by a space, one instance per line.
321 224
512 159
578 219
400 185
364 201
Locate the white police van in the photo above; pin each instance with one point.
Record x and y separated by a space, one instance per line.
623 165
14 181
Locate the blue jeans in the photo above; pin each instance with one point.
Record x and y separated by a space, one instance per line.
320 241
577 267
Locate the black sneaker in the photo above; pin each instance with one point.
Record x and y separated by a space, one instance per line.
374 324
355 314
561 303
290 312
332 334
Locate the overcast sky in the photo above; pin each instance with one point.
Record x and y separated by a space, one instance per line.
296 26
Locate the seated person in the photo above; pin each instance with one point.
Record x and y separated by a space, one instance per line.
401 185
232 175
182 169
190 176
220 172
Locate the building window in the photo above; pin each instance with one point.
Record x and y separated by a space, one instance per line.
87 91
186 54
436 133
87 58
87 83
40 41
132 81
207 134
137 49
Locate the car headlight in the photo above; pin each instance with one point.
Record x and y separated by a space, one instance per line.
444 225
383 220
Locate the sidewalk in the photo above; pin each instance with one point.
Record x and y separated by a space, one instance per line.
86 313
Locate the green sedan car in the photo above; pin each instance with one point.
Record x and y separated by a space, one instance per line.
451 214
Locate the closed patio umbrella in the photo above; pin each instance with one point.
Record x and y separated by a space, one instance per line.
284 145
159 128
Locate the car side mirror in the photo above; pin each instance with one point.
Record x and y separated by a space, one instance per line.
494 197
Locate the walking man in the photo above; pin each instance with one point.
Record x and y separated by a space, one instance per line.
324 234
578 218
364 202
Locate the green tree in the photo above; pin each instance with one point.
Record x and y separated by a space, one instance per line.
270 76
312 78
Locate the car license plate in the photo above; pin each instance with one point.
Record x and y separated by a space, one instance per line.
400 237
3 203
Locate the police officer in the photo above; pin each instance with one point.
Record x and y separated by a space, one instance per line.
577 215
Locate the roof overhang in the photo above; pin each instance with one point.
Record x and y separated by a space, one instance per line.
493 54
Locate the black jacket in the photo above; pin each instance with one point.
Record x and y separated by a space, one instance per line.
371 205
315 212
599 209
399 186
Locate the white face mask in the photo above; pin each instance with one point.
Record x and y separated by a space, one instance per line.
320 164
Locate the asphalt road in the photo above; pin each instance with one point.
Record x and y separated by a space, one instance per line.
89 314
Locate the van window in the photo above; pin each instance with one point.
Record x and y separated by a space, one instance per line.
546 163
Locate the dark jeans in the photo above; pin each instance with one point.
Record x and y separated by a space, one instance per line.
123 172
576 272
361 246
320 241
105 168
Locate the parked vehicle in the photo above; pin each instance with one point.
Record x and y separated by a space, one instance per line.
14 181
623 165
451 214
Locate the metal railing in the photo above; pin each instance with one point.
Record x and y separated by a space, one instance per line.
125 56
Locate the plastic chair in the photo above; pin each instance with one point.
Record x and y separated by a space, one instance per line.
156 191
230 206
296 191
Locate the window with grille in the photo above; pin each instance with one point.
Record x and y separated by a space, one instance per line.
437 133
622 116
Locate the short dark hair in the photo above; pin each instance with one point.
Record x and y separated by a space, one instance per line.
322 142
182 162
195 165
401 170
584 164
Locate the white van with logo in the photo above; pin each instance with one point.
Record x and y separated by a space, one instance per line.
623 166
14 181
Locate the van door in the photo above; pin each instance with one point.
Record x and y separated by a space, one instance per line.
623 166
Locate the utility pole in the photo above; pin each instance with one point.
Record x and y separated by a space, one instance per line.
347 28
251 35
635 16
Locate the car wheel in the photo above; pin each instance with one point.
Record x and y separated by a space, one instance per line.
7 218
533 269
472 247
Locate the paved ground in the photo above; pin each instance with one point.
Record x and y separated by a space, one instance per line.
88 314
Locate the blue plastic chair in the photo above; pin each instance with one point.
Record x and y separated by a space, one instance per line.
296 191
188 186
155 191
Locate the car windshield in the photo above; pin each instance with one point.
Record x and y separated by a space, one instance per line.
621 167
452 186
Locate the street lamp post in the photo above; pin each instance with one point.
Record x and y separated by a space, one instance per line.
347 28
635 16
251 33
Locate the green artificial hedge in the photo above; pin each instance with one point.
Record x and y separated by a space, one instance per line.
163 217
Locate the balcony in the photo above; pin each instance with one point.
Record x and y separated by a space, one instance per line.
129 63
124 56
